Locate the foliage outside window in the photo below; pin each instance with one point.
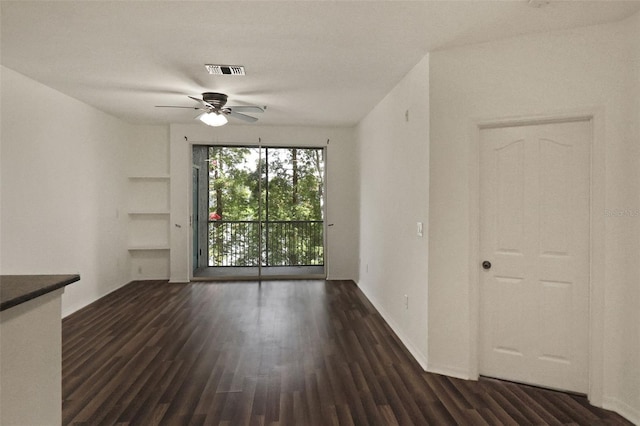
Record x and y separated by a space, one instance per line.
278 191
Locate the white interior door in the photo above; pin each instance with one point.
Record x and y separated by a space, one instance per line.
534 230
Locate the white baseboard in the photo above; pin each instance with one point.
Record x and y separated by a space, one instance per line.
72 309
413 350
448 371
625 410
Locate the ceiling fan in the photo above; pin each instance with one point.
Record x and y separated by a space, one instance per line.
215 112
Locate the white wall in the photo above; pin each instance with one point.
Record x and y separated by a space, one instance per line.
583 69
629 394
342 210
148 151
63 186
394 195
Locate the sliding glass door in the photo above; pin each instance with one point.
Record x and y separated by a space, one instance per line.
235 202
293 224
265 212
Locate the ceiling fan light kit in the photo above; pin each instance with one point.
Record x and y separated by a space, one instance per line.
215 112
214 119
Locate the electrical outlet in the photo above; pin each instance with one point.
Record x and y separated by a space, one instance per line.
406 301
419 229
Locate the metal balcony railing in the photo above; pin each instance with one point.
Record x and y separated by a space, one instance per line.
284 243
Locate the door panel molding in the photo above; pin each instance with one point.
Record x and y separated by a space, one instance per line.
595 116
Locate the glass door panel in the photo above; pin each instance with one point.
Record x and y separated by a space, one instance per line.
235 202
265 211
294 225
195 219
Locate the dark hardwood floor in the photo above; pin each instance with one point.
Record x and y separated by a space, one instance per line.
279 353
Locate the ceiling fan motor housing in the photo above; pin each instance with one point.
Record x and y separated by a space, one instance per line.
218 100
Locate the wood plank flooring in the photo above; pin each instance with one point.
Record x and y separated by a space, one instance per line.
278 353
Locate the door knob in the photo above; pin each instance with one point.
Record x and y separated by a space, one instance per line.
486 264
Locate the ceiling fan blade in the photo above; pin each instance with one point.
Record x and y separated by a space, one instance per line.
242 117
203 103
247 108
176 106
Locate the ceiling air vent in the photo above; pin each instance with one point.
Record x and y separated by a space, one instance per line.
225 69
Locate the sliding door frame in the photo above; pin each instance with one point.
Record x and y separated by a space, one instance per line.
325 223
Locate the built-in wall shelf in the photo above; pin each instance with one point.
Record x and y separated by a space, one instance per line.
149 194
148 213
149 248
149 216
156 177
149 205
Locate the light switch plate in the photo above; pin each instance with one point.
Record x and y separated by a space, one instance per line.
419 229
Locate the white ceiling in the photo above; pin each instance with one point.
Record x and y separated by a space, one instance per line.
320 63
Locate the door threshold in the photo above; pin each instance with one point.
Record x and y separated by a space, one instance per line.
262 278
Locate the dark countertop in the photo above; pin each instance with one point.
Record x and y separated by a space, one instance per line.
17 289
